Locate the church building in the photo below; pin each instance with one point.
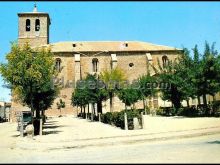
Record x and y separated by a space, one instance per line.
74 60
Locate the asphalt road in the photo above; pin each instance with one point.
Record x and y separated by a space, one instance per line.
205 149
64 135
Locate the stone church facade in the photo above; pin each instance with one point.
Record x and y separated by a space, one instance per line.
74 60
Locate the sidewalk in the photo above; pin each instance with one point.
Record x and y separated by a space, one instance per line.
69 132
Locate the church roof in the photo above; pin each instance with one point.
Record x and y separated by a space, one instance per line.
114 46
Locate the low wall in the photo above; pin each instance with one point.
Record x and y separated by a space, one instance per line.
164 124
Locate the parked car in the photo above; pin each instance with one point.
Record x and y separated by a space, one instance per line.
2 119
27 119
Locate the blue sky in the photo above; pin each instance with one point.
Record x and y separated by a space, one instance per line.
174 24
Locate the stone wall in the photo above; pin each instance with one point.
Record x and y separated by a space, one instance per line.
34 38
67 75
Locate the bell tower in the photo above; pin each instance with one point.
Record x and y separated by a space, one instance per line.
33 27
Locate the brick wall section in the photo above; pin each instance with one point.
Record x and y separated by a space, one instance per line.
34 38
139 60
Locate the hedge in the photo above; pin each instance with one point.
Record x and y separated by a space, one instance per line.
117 118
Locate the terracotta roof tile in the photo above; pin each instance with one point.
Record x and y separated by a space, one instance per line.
96 46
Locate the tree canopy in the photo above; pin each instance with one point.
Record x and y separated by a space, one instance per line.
29 73
191 76
113 79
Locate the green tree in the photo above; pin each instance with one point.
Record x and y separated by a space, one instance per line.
197 71
178 75
80 97
129 95
208 73
96 91
60 105
29 73
90 90
191 77
147 87
185 68
113 79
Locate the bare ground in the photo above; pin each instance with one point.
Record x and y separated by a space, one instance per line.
72 140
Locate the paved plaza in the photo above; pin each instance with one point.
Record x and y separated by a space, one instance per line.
70 139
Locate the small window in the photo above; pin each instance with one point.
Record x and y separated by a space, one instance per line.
28 25
74 45
165 61
131 64
126 44
37 25
95 64
58 64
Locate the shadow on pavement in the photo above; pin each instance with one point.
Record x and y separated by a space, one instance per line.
214 142
15 135
51 122
50 132
51 126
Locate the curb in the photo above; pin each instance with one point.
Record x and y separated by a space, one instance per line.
102 141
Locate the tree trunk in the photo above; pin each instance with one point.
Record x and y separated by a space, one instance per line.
99 106
213 97
204 100
175 98
88 117
36 123
177 105
111 102
125 107
213 107
88 108
144 104
187 101
80 111
84 112
199 101
38 114
43 115
31 98
93 110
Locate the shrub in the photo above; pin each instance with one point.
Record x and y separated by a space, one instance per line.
142 110
95 118
201 110
187 111
181 112
160 111
107 118
117 118
215 105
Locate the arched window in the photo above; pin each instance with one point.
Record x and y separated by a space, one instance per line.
165 61
95 65
58 64
28 25
37 25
